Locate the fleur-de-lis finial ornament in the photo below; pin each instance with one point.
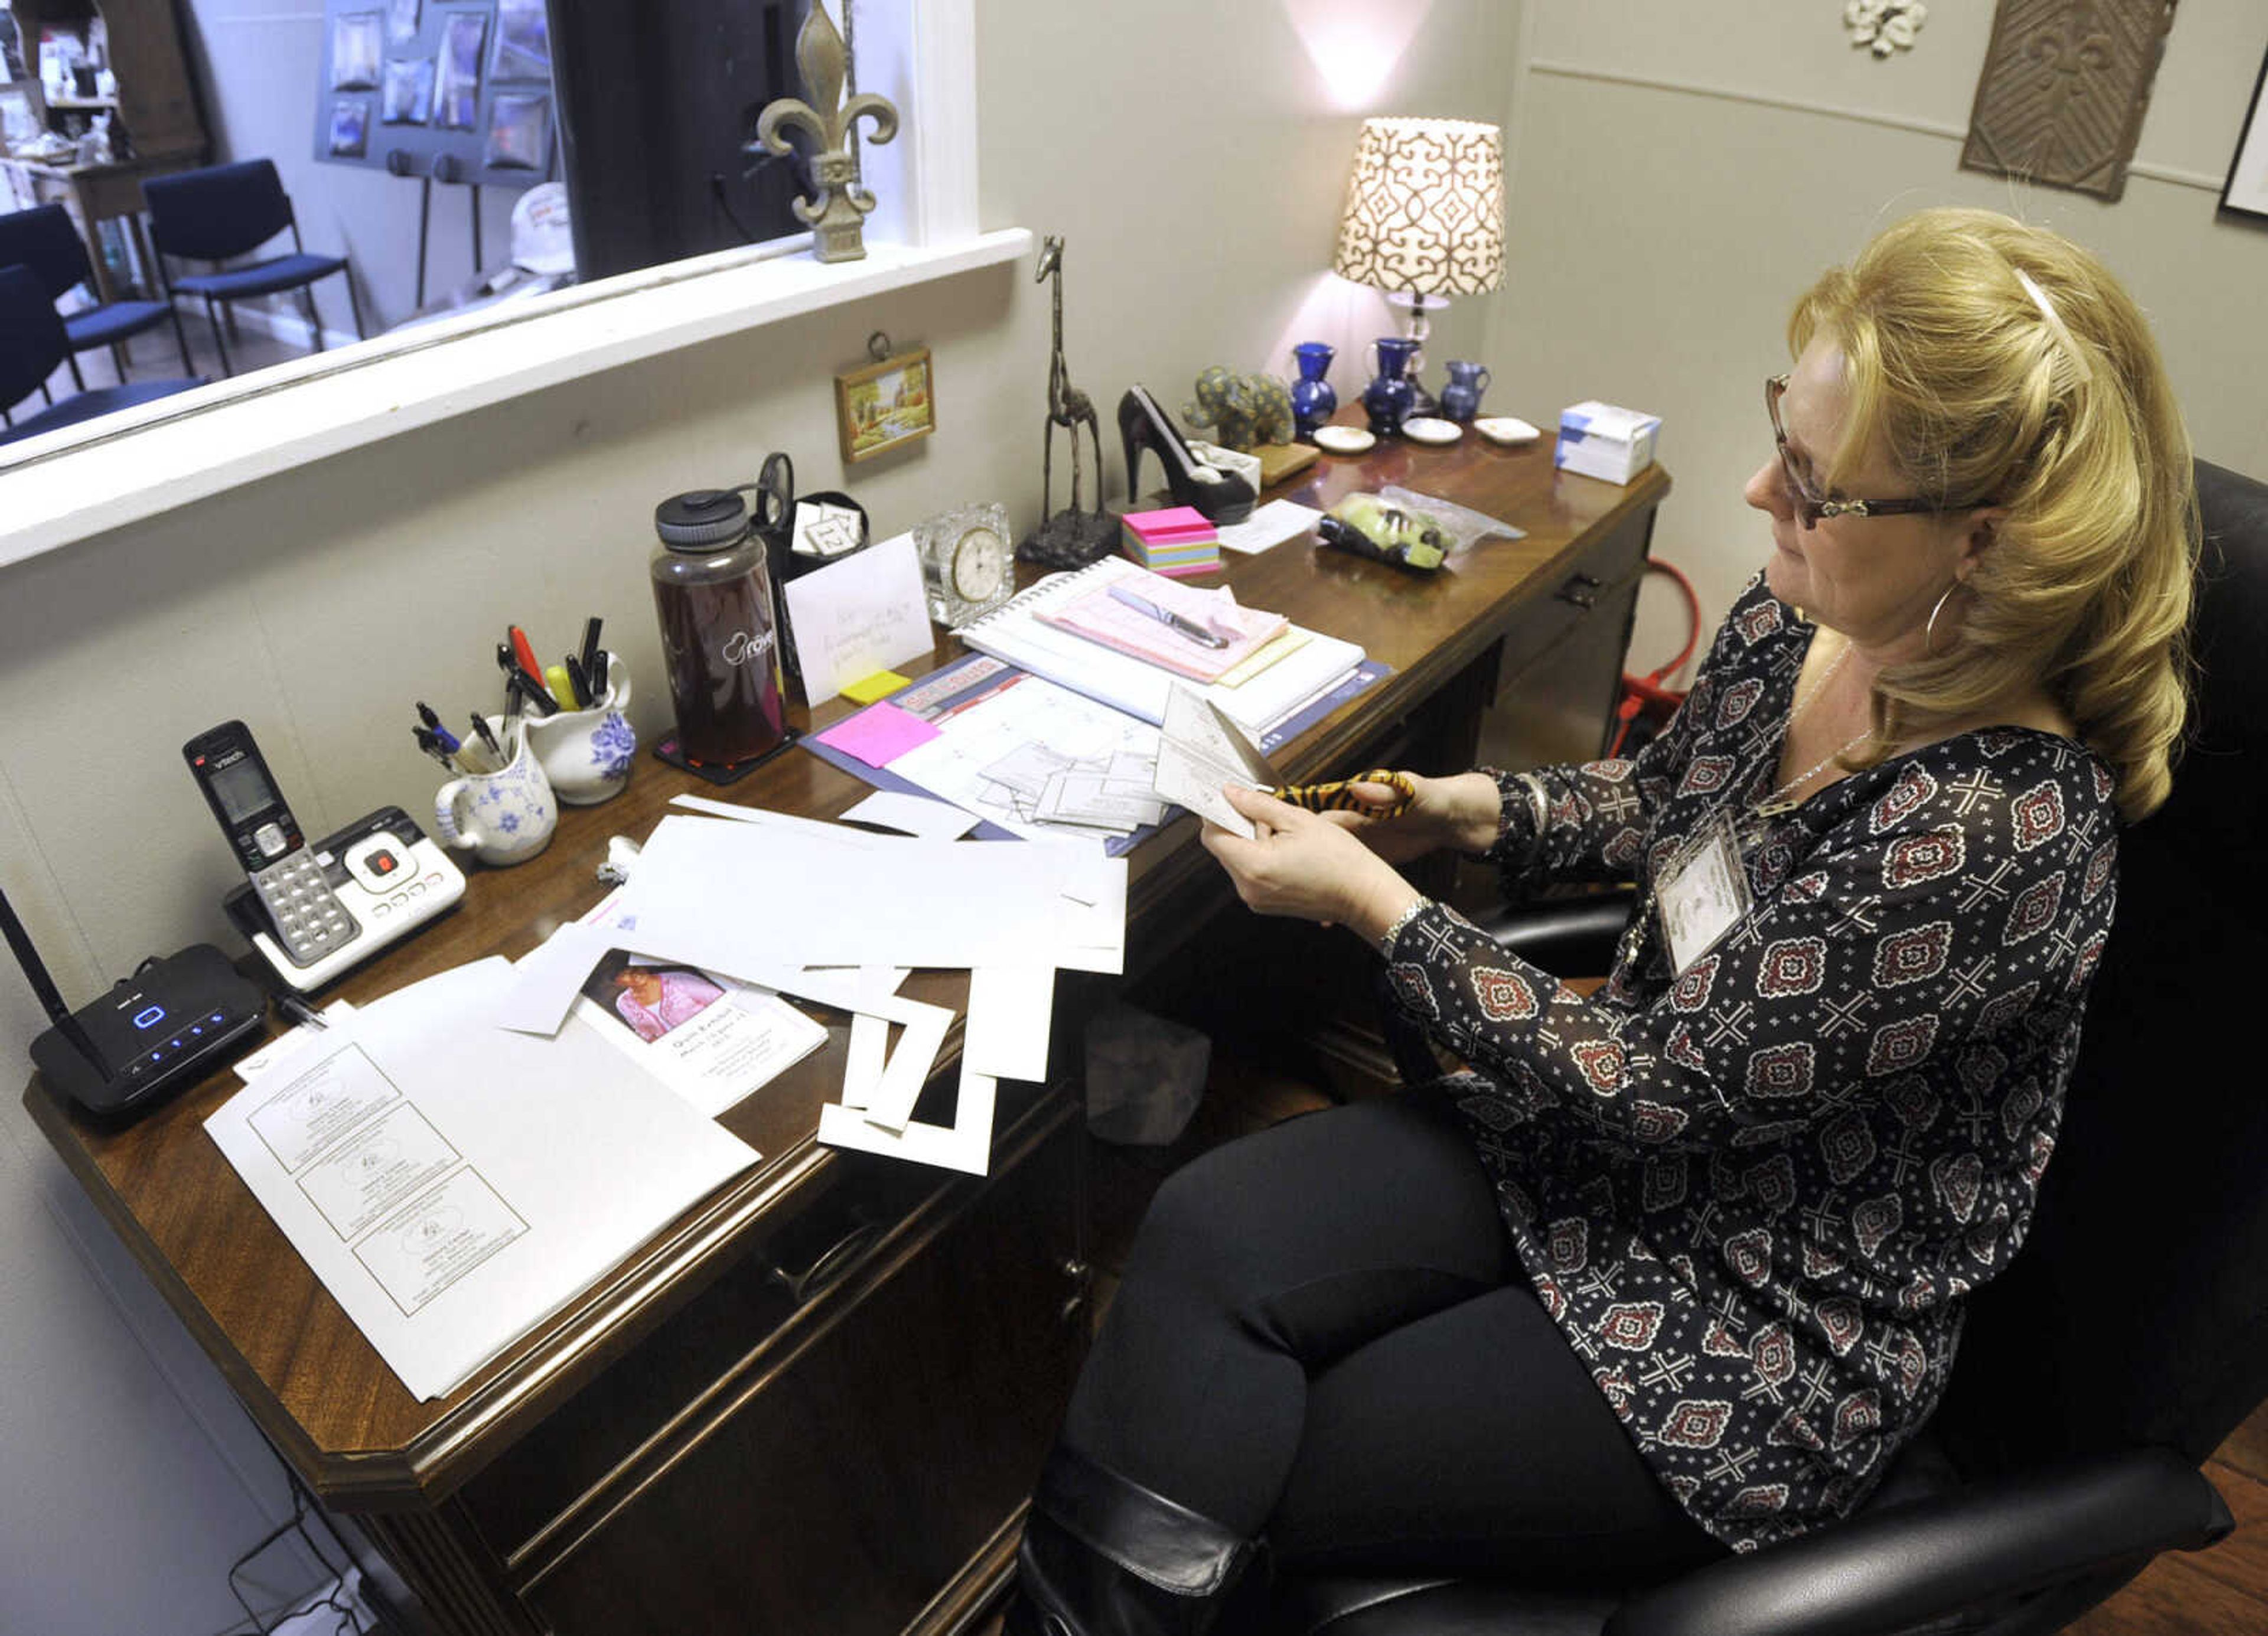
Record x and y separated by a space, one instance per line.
837 211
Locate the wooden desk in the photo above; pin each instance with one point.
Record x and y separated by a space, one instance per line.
94 194
815 1403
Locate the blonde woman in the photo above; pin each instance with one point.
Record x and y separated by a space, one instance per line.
1678 1268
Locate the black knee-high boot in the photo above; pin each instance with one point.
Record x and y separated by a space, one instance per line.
1103 1556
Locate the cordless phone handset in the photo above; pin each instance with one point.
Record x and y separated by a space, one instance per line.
309 919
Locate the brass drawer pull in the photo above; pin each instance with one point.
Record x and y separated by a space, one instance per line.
830 1264
1579 591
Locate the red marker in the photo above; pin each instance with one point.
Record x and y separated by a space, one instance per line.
524 651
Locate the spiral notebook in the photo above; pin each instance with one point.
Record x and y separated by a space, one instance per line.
1015 631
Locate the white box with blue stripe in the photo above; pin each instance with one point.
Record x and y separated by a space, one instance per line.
1601 441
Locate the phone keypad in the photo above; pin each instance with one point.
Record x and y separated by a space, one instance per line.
309 919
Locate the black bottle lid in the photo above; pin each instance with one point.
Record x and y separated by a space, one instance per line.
702 520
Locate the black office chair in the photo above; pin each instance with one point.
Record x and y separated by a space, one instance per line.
32 346
226 211
44 241
2127 1340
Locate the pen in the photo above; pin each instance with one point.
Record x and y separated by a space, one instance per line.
529 693
579 680
555 677
513 703
590 651
429 741
599 665
489 738
524 652
447 739
300 1012
1188 628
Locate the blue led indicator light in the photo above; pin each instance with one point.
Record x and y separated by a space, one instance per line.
155 1013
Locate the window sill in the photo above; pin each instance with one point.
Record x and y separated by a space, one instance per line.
221 437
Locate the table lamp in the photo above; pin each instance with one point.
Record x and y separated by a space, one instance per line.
1424 217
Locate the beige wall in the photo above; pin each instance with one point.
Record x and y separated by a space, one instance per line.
1191 154
1679 181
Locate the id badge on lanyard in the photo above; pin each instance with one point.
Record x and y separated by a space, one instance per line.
1702 892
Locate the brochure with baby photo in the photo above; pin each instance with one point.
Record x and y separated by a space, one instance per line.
711 1039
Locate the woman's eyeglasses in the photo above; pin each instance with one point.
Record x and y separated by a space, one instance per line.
1809 505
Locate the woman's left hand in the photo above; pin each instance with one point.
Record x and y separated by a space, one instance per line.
1302 865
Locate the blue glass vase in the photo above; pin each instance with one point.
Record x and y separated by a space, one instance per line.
1389 397
1314 400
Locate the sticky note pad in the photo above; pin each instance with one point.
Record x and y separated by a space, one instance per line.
878 735
881 685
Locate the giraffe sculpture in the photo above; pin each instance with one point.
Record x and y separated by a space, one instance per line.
1068 406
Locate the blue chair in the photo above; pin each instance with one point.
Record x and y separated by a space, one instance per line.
44 241
228 210
31 345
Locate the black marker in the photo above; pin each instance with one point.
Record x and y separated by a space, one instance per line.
579 680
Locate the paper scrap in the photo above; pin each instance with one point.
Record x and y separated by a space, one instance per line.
1199 750
1272 524
878 735
912 814
966 1144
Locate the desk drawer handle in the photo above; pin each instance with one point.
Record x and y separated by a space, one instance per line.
1579 590
832 1263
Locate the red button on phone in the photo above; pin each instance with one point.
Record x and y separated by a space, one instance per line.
383 863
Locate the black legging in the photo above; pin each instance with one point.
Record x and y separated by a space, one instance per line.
1324 1336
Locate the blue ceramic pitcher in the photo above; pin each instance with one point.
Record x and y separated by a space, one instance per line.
1461 399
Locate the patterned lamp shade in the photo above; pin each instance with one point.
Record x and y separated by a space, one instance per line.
1425 207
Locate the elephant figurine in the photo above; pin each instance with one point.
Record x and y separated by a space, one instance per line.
1241 411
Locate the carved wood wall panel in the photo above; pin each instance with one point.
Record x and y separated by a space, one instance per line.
2063 88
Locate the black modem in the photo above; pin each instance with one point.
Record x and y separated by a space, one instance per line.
165 1028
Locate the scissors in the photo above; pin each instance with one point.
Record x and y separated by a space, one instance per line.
1339 795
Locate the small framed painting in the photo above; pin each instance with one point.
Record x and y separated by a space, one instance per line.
350 128
885 406
2246 191
355 47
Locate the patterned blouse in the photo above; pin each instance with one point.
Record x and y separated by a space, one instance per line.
1753 1194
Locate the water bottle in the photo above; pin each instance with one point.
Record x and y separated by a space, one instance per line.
719 631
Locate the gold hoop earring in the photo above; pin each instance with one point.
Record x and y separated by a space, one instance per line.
1929 631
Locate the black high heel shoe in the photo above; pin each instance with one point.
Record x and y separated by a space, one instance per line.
1222 497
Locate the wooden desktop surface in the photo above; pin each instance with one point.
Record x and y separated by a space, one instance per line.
315 1385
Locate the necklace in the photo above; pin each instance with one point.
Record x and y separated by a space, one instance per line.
1780 799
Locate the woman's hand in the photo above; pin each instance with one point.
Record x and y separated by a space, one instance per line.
1302 865
1461 812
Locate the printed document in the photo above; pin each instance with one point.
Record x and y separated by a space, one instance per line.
453 1183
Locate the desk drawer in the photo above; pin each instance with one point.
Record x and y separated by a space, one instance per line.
1598 590
839 1487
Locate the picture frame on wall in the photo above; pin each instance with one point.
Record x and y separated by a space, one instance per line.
402 20
356 46
457 88
523 41
2246 191
520 133
407 98
885 406
350 128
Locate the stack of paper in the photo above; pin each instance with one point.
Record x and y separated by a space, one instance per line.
1176 540
1311 665
1199 634
830 913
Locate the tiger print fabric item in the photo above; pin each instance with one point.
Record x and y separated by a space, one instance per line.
1752 1195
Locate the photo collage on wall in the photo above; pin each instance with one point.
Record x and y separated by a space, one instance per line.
460 90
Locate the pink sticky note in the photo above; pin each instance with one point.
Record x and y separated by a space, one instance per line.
878 735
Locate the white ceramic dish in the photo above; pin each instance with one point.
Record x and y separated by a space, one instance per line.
1343 439
1425 429
1506 429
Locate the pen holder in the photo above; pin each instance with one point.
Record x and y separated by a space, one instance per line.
500 817
586 754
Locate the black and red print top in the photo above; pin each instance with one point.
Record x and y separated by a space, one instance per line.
1753 1194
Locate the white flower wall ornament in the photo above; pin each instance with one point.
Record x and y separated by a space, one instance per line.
1884 25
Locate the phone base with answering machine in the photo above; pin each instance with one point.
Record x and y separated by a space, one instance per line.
387 876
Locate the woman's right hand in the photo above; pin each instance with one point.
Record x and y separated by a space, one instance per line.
1460 812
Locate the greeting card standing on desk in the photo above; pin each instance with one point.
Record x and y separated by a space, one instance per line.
864 613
